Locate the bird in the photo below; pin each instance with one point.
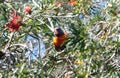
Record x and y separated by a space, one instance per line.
60 39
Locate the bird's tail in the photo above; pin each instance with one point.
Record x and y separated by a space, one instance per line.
60 48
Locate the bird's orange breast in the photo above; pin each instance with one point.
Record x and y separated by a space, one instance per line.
59 41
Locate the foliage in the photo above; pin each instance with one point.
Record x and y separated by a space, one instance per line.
92 48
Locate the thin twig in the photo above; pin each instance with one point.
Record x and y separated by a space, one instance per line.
46 25
8 44
39 41
24 46
64 71
110 58
107 37
36 4
66 16
51 23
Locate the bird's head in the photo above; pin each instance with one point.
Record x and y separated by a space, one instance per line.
59 32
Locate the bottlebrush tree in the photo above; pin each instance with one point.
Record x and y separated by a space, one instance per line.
92 46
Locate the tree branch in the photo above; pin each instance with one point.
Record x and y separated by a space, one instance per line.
8 44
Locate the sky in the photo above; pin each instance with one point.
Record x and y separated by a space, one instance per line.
34 46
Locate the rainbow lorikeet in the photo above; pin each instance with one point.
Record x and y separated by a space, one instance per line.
60 39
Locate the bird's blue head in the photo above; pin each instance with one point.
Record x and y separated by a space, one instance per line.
58 31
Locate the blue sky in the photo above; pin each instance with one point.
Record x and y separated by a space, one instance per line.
34 46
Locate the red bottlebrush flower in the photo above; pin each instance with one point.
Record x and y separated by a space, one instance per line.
58 4
72 2
15 24
28 10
